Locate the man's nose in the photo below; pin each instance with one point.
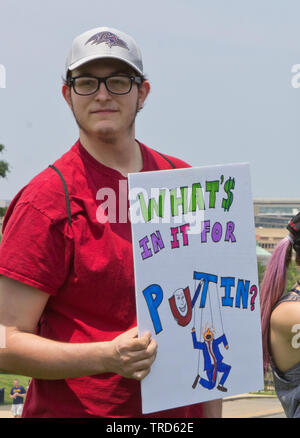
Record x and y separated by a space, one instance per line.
103 93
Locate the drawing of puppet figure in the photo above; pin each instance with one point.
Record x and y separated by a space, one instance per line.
213 359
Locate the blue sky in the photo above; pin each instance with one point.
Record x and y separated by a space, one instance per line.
220 73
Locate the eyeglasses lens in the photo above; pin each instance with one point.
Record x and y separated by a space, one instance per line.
85 85
114 84
118 84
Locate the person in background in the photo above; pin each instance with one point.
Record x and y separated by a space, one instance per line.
280 313
67 277
17 394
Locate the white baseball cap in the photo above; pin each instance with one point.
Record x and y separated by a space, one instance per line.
104 42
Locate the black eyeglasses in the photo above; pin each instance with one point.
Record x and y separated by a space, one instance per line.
115 84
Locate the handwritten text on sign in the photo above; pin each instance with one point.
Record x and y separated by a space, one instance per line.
196 282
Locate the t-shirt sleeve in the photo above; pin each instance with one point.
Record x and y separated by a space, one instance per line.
34 249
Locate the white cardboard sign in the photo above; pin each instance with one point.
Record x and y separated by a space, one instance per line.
196 283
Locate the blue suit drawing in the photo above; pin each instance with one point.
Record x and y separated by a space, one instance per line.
213 360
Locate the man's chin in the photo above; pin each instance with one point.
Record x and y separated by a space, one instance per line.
106 133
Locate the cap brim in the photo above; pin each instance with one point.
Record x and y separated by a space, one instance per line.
87 59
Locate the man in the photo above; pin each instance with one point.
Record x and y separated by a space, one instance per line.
67 287
17 395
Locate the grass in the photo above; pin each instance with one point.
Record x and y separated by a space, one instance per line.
264 392
7 382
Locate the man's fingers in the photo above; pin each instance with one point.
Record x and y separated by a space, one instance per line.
141 343
142 352
140 375
135 355
152 347
142 369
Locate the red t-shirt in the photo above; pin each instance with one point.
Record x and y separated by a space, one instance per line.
87 270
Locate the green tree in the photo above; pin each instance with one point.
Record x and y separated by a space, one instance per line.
4 166
2 211
261 271
293 274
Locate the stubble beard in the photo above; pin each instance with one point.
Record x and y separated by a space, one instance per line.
106 135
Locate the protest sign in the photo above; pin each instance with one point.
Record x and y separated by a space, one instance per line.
196 283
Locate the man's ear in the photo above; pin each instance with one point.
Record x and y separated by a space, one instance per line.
66 92
144 90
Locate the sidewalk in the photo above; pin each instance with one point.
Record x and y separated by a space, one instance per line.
252 406
239 406
5 411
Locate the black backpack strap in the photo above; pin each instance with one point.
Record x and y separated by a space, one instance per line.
66 193
168 159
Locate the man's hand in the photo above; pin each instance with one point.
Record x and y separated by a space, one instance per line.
132 356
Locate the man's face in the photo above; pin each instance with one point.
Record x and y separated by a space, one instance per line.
16 382
180 301
104 114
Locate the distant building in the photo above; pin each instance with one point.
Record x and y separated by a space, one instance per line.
275 212
4 203
263 256
268 238
271 216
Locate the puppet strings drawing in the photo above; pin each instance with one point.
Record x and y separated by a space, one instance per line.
210 349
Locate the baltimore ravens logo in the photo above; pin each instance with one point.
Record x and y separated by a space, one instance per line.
109 38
